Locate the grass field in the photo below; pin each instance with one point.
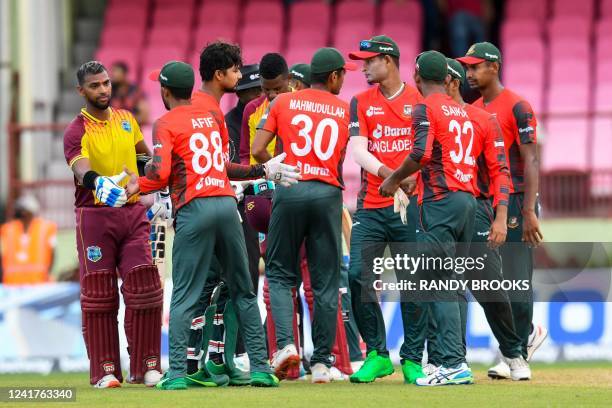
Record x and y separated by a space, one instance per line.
559 385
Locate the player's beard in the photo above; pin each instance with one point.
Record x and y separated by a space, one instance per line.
100 105
227 89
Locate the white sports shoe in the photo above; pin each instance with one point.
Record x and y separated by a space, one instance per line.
519 368
320 374
242 362
283 360
151 378
501 371
448 376
108 381
429 368
337 375
356 365
536 338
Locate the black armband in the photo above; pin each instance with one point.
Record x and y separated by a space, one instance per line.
141 161
89 180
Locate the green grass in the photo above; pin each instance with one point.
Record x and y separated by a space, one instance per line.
558 385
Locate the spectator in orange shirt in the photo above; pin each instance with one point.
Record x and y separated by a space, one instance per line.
27 245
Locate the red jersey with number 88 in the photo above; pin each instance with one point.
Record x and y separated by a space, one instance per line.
189 154
312 126
443 143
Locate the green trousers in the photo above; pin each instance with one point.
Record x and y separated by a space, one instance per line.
310 213
372 227
208 227
517 263
496 304
443 224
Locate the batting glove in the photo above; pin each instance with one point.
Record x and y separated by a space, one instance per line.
108 191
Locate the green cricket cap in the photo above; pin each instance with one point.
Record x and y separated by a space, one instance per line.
480 52
174 74
432 65
456 70
329 59
301 72
377 45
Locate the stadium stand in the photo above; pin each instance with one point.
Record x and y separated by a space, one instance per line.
554 65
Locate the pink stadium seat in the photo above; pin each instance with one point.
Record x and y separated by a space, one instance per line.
570 27
603 72
306 37
169 36
408 13
318 16
526 10
210 33
111 36
167 4
523 49
348 36
270 36
569 48
566 144
604 28
568 98
263 13
602 143
175 16
141 3
131 56
300 55
126 16
566 70
603 101
402 34
603 49
605 8
155 57
513 30
219 13
355 12
583 8
522 72
252 55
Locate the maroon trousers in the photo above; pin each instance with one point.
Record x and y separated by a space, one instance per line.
114 242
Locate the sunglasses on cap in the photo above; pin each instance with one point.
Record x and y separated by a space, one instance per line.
365 45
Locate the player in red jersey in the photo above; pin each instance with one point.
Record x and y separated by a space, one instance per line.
492 188
442 130
312 129
191 156
518 124
380 130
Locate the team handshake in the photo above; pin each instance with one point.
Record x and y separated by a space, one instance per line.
111 194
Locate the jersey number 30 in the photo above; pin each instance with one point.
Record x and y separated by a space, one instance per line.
199 145
317 143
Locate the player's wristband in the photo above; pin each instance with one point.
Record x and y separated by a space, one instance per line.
89 180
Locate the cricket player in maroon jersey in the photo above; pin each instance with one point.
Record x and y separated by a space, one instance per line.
112 236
